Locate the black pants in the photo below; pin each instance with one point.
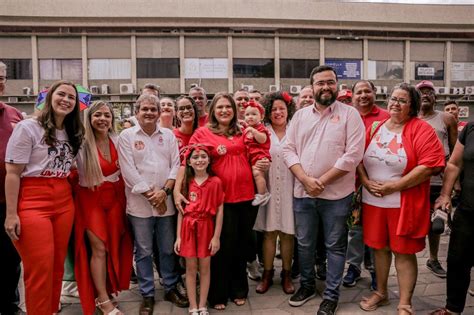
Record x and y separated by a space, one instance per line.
228 266
460 259
9 269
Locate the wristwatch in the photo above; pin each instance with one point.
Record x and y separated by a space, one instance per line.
166 190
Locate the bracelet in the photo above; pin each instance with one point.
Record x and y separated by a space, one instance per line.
166 190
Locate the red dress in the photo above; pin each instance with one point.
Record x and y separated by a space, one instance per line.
258 151
102 211
197 227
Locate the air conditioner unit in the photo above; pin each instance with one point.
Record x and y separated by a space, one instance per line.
94 89
343 86
126 88
12 99
273 88
104 89
26 90
247 87
378 89
469 90
295 89
441 90
458 91
384 90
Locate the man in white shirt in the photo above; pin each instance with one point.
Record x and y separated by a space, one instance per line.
149 161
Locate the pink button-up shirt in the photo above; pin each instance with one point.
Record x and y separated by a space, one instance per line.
320 141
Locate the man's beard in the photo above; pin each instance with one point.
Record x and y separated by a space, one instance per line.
325 101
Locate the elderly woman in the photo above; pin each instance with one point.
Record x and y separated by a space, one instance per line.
40 208
103 262
460 254
230 163
402 152
276 218
168 113
187 116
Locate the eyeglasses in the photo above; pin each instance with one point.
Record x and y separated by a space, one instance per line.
3 79
400 101
323 83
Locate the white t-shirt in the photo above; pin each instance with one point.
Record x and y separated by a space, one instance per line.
384 160
26 146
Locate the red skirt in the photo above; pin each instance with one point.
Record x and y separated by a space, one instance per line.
197 230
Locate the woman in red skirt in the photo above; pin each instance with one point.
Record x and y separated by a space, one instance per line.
100 227
40 209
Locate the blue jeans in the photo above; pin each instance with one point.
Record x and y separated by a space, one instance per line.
334 214
163 229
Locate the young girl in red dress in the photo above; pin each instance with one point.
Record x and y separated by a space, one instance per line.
198 236
257 139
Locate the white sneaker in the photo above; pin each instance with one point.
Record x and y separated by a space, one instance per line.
252 271
261 200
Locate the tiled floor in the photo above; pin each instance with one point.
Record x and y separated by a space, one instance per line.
429 294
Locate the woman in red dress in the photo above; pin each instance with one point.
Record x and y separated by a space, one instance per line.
100 217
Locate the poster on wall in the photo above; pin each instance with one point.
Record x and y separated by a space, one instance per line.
345 68
462 71
205 68
430 70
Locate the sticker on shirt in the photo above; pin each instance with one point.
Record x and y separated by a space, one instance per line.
139 145
335 118
193 196
60 159
180 142
160 140
221 149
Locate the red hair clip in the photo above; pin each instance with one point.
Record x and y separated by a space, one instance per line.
187 150
256 105
287 97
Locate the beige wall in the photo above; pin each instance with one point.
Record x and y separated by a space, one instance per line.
205 47
70 47
299 48
386 50
253 47
157 47
427 51
463 52
15 47
343 49
108 47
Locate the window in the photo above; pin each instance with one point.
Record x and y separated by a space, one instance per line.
254 68
385 70
158 68
61 69
349 69
297 68
109 69
18 69
429 70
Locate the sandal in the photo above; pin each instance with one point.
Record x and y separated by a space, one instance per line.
99 304
203 311
193 311
240 302
406 308
219 307
374 301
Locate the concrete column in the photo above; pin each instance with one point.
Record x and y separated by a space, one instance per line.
35 63
406 66
85 72
365 66
322 55
447 62
277 61
182 82
230 65
133 63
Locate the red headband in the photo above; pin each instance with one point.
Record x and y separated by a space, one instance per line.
187 150
287 97
256 105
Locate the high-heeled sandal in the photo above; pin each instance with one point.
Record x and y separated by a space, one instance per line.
99 304
407 308
374 301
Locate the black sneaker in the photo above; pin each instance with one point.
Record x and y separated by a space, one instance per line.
351 277
327 307
321 271
435 267
301 296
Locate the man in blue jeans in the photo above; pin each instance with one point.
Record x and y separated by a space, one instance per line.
149 161
325 143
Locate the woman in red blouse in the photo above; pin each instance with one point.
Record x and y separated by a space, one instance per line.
186 114
231 165
103 244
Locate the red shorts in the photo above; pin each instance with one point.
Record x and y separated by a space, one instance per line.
380 228
196 235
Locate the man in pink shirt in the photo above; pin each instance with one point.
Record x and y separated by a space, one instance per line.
325 143
10 272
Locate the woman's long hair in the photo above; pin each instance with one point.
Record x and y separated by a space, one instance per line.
72 121
193 103
189 173
213 125
90 158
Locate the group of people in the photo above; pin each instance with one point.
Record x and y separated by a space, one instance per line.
184 179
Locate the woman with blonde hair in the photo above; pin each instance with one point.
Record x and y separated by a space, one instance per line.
101 226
